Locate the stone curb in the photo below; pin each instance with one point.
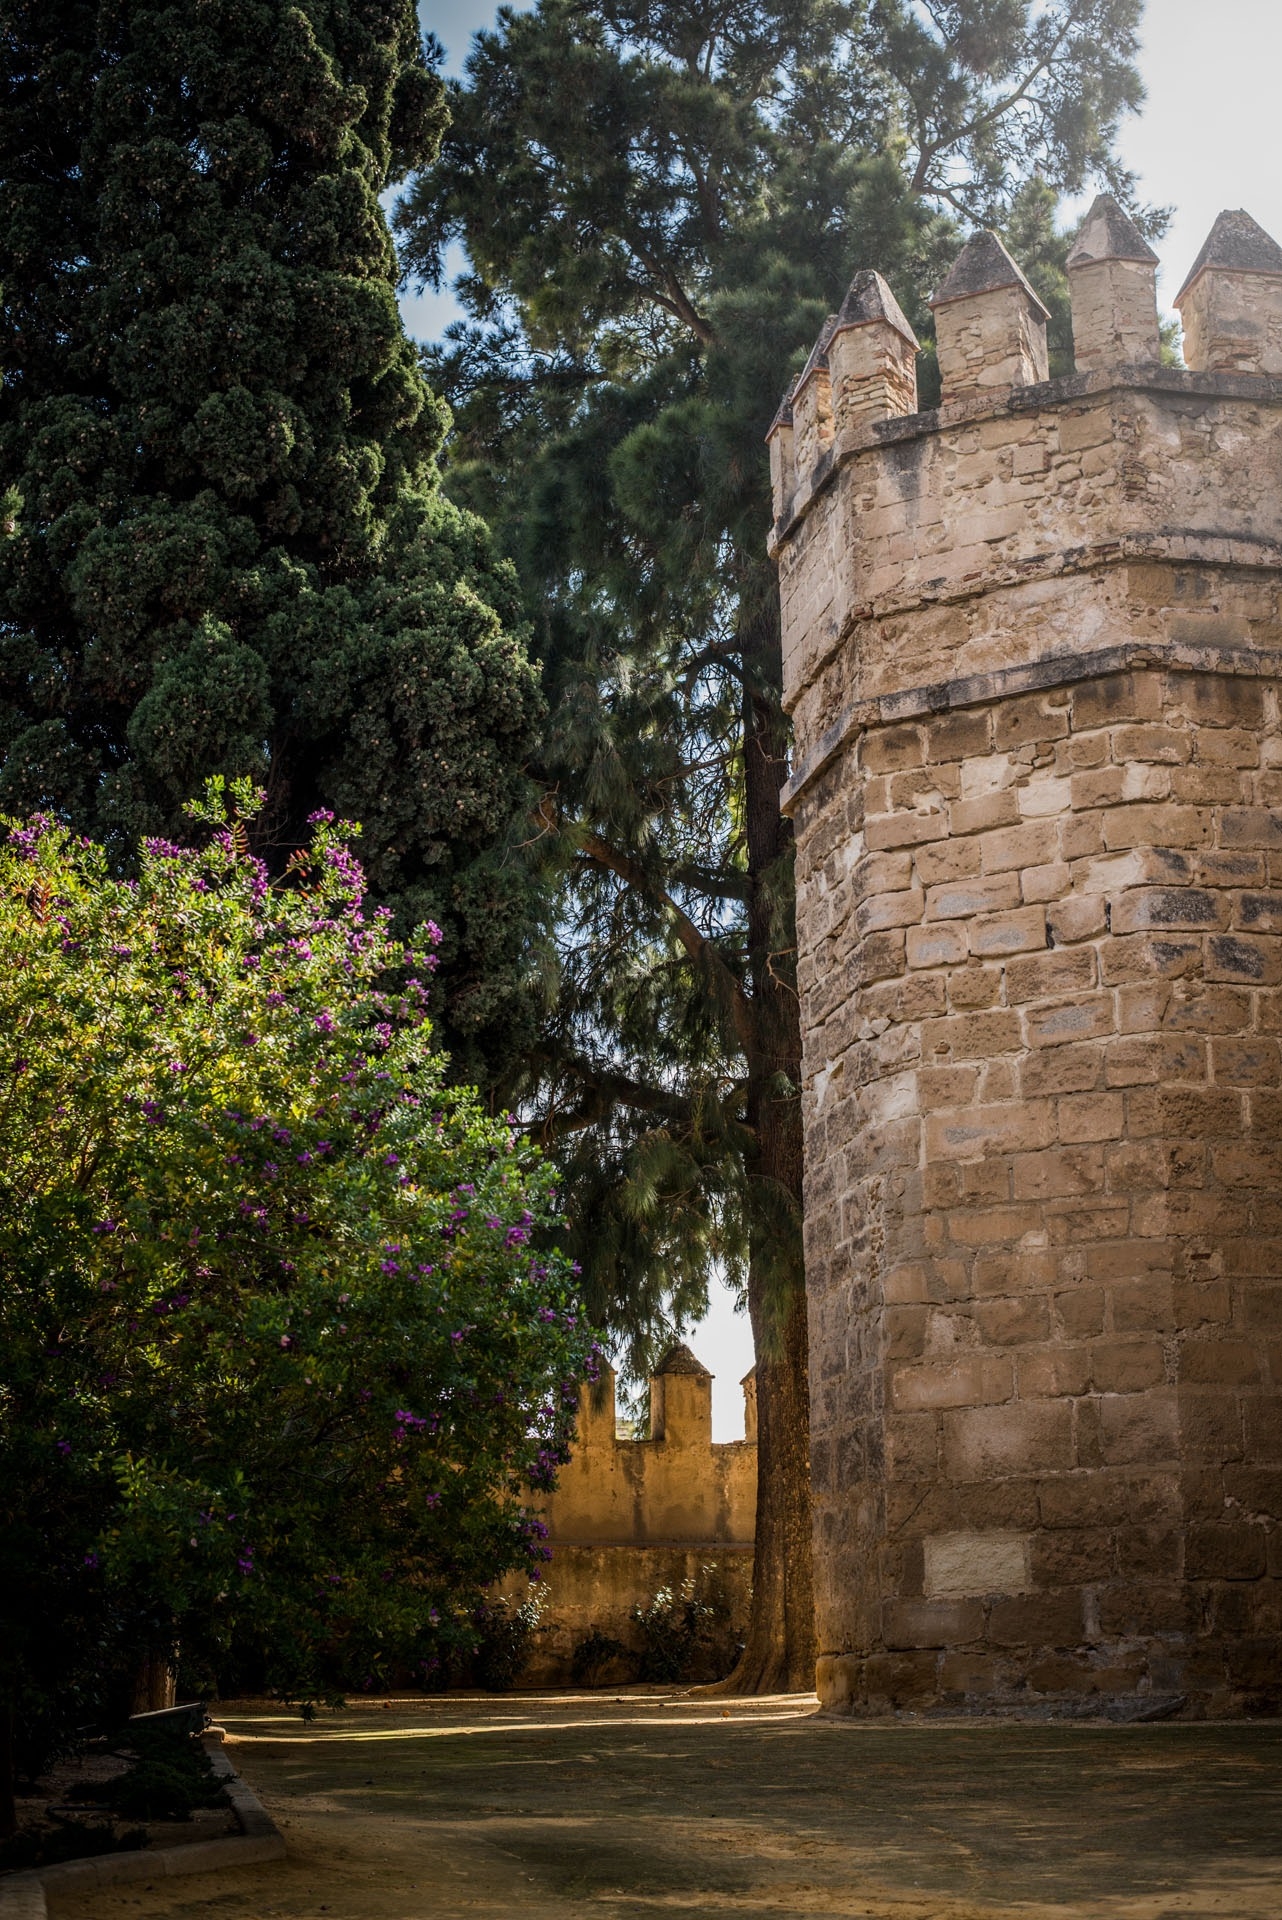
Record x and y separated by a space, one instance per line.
22 1895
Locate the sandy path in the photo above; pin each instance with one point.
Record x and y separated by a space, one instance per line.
668 1806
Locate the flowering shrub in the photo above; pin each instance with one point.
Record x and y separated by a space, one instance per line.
281 1356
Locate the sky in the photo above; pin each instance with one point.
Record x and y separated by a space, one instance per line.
1207 138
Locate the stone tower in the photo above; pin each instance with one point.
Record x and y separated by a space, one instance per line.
1032 649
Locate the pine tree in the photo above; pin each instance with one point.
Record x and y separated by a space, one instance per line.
659 205
225 549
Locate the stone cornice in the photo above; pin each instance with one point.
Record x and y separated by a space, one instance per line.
1057 670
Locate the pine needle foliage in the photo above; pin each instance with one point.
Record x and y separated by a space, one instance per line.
659 204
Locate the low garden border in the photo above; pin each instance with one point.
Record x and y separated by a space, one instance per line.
22 1895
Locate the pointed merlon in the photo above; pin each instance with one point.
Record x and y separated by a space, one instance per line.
818 354
1235 244
869 301
983 266
783 415
1109 233
679 1359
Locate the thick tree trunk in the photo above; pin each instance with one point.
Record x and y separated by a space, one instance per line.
155 1683
779 1655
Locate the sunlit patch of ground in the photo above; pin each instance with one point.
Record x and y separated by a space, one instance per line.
674 1806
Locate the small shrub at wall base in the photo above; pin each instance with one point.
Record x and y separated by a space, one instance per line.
286 1355
505 1629
687 1631
593 1657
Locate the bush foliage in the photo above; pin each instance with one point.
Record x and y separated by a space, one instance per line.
282 1359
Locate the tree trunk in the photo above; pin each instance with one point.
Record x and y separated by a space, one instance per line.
155 1682
779 1655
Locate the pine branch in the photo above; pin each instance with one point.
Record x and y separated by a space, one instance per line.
697 945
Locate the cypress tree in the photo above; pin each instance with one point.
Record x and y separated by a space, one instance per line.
224 546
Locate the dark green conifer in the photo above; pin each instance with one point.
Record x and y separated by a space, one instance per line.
225 549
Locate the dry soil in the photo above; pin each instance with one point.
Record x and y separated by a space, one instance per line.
672 1806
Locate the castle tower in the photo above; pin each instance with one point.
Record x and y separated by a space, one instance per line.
1033 650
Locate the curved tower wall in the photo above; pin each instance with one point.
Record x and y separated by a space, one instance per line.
1033 650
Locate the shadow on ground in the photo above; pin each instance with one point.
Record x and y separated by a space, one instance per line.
662 1804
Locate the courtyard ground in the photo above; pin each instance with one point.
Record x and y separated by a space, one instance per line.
675 1806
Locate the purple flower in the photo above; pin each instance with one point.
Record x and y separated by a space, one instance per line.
324 1021
26 839
92 1560
106 1226
321 818
64 1447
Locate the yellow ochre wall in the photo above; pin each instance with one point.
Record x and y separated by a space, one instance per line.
628 1517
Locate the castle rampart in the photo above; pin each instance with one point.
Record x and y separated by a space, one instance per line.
1033 648
629 1517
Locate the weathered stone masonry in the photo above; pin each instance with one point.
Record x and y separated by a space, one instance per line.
1033 647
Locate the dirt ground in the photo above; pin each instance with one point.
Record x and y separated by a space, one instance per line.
671 1806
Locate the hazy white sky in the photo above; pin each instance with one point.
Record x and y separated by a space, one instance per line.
1207 138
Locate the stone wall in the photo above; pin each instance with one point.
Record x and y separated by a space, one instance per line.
629 1517
1033 645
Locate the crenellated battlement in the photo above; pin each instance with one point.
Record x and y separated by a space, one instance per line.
1033 656
991 339
631 1516
676 1486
